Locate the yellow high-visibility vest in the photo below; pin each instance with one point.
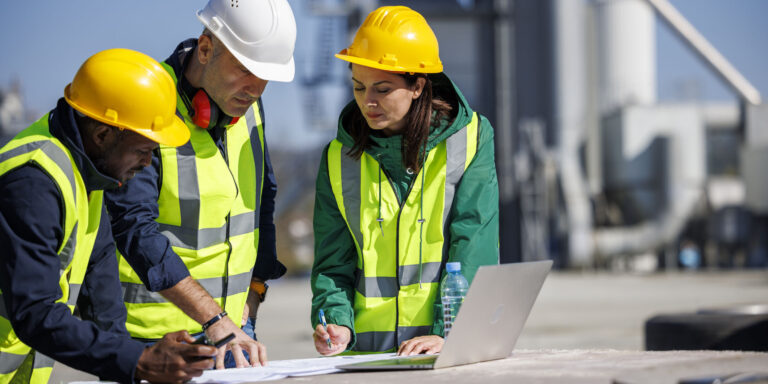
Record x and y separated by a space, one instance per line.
81 213
399 263
209 208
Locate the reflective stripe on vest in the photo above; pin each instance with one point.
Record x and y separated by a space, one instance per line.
81 215
208 207
377 286
189 200
9 362
61 158
138 294
395 291
33 368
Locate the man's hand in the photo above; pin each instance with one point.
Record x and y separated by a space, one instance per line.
195 301
171 360
421 344
340 337
257 352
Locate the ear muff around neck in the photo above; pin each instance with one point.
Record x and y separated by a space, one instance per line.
206 114
203 110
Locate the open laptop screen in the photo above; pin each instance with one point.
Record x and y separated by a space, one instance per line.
490 320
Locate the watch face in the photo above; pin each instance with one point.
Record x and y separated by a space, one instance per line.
260 289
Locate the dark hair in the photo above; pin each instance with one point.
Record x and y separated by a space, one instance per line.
418 122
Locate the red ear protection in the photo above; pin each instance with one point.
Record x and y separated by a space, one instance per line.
206 113
202 109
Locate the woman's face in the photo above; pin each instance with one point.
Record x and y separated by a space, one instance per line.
383 97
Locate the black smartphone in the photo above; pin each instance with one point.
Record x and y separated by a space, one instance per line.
224 341
203 339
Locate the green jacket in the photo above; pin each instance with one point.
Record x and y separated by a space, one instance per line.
474 218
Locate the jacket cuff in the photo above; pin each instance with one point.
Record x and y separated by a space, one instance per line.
275 271
167 273
437 325
131 353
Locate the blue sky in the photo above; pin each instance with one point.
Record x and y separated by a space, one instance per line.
737 28
45 41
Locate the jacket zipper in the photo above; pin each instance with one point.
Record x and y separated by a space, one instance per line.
397 253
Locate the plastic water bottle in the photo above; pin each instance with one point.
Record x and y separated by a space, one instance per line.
453 288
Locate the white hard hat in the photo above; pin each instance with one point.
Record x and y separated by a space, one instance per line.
260 34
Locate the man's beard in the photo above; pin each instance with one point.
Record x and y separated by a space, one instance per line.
101 165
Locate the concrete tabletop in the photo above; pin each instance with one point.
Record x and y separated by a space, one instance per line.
586 327
570 366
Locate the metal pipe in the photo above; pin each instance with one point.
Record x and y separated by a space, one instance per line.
651 234
627 78
683 130
703 48
570 72
721 116
504 100
626 54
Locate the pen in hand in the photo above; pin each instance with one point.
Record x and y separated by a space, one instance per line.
321 315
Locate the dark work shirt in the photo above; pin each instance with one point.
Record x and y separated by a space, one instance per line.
31 232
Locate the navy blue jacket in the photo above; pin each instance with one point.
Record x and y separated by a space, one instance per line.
31 231
133 209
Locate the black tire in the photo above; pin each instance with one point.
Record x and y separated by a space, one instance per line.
695 331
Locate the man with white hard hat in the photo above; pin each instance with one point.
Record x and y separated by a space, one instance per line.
195 229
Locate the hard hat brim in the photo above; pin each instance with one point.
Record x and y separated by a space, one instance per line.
173 135
384 67
267 71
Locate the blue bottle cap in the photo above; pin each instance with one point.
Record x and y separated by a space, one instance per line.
453 267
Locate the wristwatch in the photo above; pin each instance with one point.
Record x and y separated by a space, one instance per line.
260 288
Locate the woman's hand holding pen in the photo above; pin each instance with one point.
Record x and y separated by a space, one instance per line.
339 335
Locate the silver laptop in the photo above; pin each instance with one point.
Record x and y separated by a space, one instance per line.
488 324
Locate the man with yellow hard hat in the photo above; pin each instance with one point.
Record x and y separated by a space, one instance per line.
195 229
55 233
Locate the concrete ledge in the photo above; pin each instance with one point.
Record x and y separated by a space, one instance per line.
571 366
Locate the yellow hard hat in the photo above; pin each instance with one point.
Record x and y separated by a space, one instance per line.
395 38
130 90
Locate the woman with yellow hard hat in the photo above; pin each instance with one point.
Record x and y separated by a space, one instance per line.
408 185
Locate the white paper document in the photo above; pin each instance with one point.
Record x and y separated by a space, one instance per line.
281 369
